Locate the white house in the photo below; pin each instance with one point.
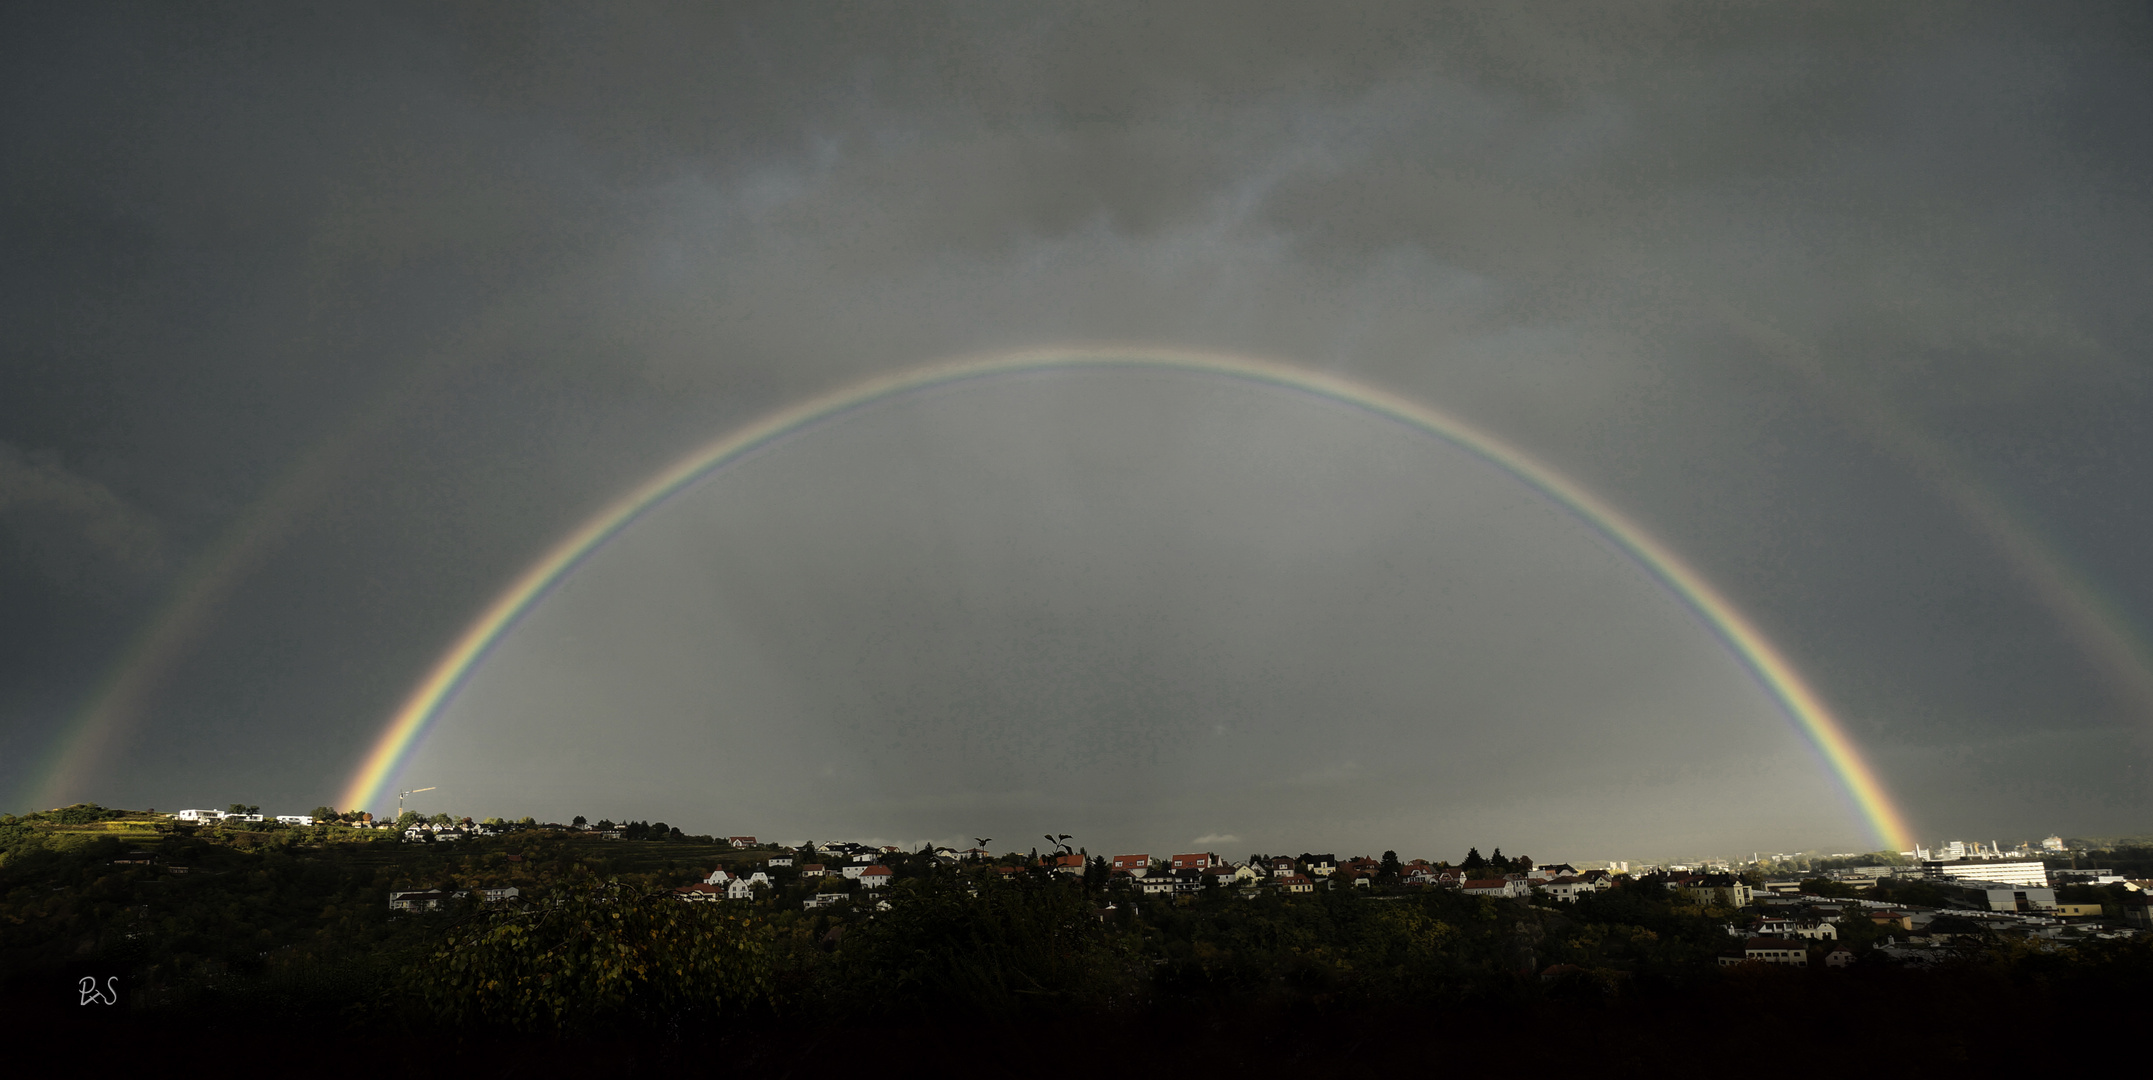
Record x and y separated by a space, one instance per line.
822 900
418 900
875 877
780 860
295 819
1567 888
197 815
1767 950
717 877
1502 888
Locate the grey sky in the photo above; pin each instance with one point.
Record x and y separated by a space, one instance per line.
401 293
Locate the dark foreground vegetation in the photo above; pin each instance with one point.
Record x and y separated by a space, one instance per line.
276 942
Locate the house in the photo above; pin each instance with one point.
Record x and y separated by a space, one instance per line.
500 894
1889 917
1816 930
741 841
1194 862
717 877
1065 864
419 900
295 819
740 888
1137 865
1839 957
1283 867
852 871
1724 890
1319 865
1771 926
701 892
822 900
1550 873
1228 875
1567 888
1295 883
1769 950
1500 888
198 815
779 860
2138 911
1154 886
814 869
875 877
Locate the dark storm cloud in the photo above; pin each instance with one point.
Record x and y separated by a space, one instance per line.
70 529
440 280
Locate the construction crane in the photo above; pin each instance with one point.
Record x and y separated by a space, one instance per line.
400 798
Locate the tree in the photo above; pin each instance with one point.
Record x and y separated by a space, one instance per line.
1389 870
579 822
325 813
1497 862
605 823
527 820
1473 860
597 957
242 808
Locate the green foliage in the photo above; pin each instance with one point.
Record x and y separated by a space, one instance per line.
598 956
1824 887
981 945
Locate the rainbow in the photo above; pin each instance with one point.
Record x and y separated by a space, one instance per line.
408 726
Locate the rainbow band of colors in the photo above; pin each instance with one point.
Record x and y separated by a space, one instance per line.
1778 677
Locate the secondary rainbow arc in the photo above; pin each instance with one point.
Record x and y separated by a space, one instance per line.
1774 672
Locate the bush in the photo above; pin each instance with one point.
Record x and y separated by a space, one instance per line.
599 956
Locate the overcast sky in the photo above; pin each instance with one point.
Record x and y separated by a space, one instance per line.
321 323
